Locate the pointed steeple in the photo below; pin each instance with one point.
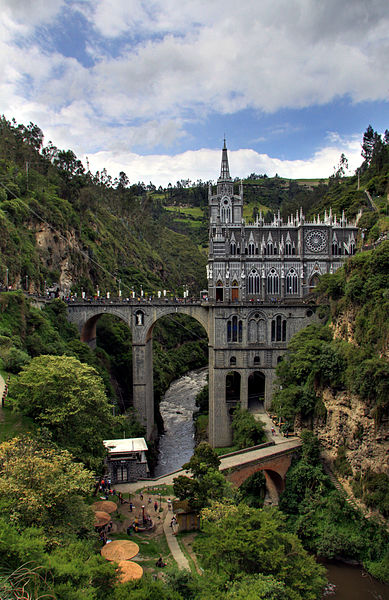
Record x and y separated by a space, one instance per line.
225 170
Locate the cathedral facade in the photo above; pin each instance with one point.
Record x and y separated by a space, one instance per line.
259 276
269 260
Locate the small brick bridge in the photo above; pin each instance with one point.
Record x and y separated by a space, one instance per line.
272 459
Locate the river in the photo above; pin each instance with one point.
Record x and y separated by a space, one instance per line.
177 407
176 448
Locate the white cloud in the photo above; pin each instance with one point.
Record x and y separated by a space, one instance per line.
205 164
160 64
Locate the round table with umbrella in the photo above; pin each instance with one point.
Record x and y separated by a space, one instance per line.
120 550
105 505
129 571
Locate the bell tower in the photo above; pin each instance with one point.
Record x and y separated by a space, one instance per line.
225 207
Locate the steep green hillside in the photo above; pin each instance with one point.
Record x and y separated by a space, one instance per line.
62 225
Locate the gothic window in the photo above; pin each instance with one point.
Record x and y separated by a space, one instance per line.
253 282
273 282
352 248
278 329
269 247
275 250
139 317
251 249
233 248
292 282
288 249
225 211
256 330
234 330
233 361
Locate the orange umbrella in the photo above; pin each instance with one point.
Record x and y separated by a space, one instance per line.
129 570
101 518
120 550
105 505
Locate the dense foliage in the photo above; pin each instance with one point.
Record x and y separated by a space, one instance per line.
73 405
326 523
247 431
316 359
206 483
239 540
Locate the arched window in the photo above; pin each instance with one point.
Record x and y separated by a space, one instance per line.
225 213
251 249
234 330
292 282
288 249
253 282
233 361
352 248
273 282
256 360
256 330
269 247
278 329
233 248
335 248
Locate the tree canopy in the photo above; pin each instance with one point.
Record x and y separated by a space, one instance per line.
67 397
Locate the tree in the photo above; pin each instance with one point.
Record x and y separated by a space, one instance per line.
247 431
368 144
67 397
207 483
240 540
204 458
41 486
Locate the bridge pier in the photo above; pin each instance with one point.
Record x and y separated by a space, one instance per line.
241 355
143 392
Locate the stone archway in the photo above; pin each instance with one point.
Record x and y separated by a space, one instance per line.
256 391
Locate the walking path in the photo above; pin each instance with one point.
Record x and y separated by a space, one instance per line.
173 544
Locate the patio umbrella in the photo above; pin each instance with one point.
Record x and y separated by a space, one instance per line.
105 505
101 518
129 570
120 550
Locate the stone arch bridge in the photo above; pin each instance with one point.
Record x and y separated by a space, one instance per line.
245 342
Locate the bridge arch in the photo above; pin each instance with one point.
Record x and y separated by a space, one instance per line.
87 327
273 467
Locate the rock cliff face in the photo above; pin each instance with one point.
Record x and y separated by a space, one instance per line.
54 253
349 423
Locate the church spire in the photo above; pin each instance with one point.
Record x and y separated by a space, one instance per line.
225 170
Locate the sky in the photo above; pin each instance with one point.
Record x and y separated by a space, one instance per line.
151 87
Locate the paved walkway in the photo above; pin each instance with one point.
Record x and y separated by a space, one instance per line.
178 555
